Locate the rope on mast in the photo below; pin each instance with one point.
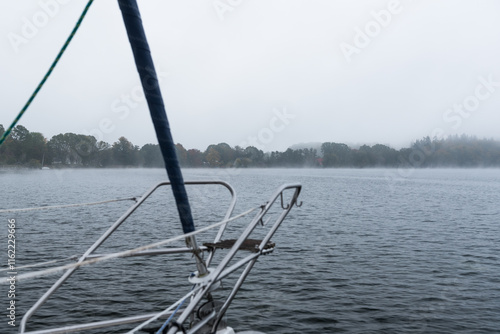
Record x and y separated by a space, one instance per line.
149 79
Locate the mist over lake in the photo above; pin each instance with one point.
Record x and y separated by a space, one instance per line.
363 254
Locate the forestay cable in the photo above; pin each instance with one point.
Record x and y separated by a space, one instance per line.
54 63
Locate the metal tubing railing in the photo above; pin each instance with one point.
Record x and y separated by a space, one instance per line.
268 237
215 275
105 236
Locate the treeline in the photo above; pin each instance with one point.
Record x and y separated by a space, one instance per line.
32 149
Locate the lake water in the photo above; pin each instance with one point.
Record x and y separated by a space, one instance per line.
369 251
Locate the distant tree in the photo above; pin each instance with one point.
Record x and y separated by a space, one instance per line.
363 157
34 148
104 154
181 154
3 147
125 153
194 158
310 157
255 156
151 155
306 157
336 155
20 133
273 159
239 152
292 158
73 149
59 149
19 137
87 149
384 156
27 148
213 157
225 156
23 147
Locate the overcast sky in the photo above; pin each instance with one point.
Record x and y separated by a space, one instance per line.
268 73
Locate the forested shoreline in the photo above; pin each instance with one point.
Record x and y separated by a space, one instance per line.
69 150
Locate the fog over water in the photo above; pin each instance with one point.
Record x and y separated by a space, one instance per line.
365 253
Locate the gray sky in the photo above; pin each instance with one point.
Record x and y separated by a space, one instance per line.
268 73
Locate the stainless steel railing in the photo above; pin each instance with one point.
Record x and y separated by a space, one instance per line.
105 235
204 285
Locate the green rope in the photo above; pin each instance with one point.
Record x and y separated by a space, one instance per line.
68 40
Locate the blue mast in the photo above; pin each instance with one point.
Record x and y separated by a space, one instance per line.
151 87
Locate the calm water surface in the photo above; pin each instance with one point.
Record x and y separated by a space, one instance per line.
368 252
